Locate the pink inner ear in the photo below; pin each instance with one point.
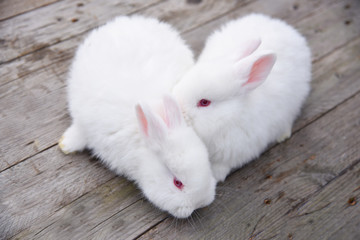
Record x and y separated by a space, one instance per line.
172 112
261 69
166 120
142 120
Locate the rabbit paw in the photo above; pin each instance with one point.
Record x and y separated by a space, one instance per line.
72 141
285 136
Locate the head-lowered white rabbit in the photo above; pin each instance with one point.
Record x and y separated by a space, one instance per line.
246 89
116 79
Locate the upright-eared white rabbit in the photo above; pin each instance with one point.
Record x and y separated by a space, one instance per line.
119 68
246 89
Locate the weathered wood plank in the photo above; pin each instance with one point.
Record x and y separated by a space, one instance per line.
342 19
131 215
186 16
57 55
334 76
292 12
332 211
260 200
129 223
13 8
59 21
322 20
34 123
36 189
189 16
86 213
74 20
350 229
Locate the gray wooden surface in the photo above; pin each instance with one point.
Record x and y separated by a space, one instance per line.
307 187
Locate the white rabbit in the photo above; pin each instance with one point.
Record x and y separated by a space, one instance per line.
225 96
128 60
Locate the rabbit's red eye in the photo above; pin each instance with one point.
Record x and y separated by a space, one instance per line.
203 103
178 183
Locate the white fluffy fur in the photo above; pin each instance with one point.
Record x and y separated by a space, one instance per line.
126 61
243 118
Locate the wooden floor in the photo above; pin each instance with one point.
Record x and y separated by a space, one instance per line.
305 188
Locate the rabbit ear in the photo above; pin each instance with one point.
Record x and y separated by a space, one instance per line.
173 117
250 47
150 124
256 70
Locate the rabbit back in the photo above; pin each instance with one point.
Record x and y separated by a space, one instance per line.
128 60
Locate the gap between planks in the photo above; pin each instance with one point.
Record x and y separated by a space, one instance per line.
21 7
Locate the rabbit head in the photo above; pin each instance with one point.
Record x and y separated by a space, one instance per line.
178 178
215 89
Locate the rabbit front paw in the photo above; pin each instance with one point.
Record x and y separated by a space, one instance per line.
72 141
285 136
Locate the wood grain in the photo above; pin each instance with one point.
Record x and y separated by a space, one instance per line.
13 8
59 21
334 76
36 189
317 20
77 220
186 17
318 217
75 20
